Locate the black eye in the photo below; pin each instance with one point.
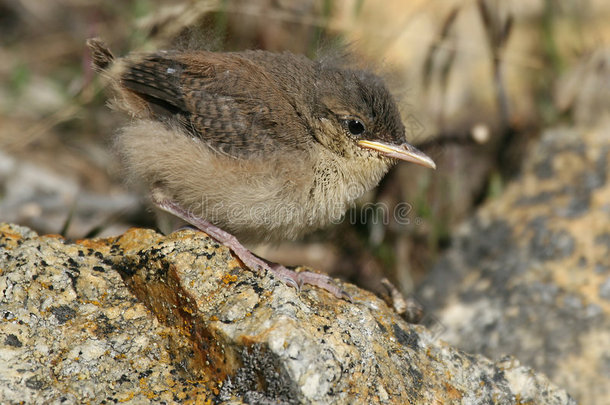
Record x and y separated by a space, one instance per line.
355 126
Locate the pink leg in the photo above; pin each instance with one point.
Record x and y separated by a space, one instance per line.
255 263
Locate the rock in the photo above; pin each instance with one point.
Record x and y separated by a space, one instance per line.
146 318
530 274
41 198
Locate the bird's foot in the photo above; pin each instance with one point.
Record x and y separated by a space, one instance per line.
253 262
297 279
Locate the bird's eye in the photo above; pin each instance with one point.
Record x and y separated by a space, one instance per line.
354 126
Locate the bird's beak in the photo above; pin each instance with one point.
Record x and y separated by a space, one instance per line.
404 151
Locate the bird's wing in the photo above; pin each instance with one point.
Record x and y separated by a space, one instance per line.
231 103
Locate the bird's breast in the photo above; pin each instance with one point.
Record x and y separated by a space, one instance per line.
266 198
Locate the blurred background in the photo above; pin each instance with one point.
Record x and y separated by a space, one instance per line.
477 82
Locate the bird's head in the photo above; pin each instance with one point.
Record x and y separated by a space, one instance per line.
357 117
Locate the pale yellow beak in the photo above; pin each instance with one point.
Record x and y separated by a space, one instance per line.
404 151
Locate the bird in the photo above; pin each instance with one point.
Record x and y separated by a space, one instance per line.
254 146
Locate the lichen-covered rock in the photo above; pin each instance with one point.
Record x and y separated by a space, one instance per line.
70 332
530 274
147 318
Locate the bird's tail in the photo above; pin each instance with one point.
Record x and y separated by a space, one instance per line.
101 55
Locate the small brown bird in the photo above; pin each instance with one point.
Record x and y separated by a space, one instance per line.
254 146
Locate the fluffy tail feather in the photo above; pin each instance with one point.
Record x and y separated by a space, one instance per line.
101 55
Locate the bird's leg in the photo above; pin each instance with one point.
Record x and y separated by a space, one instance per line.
290 277
248 258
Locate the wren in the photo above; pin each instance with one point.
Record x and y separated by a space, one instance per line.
254 146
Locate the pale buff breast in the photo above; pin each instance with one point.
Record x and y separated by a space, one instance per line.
267 198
